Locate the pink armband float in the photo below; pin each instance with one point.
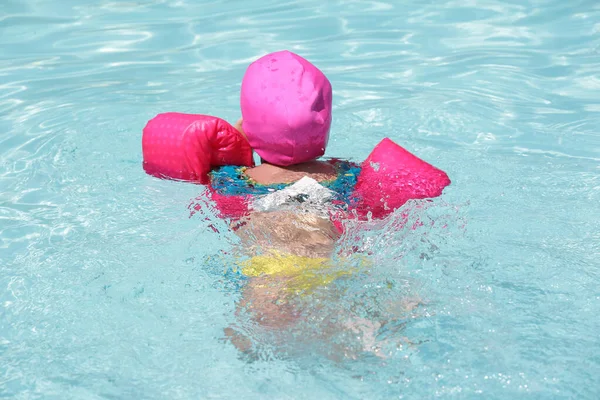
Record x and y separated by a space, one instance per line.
390 176
187 146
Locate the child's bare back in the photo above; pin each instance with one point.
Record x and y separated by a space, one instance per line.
300 234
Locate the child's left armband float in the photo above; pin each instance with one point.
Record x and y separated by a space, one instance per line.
390 176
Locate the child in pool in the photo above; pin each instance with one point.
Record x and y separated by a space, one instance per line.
286 109
290 245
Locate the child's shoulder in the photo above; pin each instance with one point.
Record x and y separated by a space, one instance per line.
338 175
268 174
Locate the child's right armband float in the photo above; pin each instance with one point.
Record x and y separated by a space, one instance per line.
188 146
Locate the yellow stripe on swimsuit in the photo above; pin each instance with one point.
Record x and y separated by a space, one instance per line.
302 274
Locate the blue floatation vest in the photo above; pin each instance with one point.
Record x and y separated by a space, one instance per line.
232 181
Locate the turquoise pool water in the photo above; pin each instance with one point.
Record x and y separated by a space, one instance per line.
109 289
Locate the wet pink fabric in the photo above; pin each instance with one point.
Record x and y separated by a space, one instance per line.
187 146
286 108
391 176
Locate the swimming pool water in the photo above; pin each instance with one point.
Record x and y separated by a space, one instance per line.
109 289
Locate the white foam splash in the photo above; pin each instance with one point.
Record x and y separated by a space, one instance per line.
306 193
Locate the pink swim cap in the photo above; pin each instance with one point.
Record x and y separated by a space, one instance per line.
286 108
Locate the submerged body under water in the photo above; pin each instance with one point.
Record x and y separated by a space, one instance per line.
296 271
109 287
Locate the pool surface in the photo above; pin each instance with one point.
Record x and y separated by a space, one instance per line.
110 289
